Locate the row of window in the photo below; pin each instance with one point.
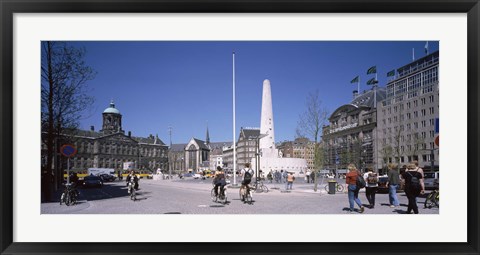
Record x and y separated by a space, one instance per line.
413 83
406 159
115 149
83 163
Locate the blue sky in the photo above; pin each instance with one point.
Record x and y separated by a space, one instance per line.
188 85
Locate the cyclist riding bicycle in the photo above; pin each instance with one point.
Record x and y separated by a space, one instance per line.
247 174
132 177
219 180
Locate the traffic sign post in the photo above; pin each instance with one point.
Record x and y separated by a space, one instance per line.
68 151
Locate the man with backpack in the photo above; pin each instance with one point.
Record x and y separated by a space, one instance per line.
247 174
414 186
371 180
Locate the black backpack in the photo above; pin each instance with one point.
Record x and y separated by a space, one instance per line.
414 182
360 181
248 175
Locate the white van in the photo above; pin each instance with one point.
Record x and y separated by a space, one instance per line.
431 180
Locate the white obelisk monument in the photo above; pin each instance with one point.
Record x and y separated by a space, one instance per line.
267 144
270 159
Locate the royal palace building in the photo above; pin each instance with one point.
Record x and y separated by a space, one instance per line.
110 147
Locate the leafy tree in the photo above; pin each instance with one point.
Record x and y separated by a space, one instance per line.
64 97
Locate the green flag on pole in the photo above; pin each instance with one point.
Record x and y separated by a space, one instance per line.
354 80
391 73
372 69
372 81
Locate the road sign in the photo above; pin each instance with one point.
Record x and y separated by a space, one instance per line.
337 159
437 142
68 150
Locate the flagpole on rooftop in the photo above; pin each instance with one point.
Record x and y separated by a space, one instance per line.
234 149
358 86
375 91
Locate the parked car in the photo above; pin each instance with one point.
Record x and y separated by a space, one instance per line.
431 180
107 177
188 175
92 181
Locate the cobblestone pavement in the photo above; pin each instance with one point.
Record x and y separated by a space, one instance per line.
191 196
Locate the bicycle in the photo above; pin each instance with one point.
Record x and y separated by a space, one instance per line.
338 187
433 199
260 187
69 194
221 197
246 194
131 190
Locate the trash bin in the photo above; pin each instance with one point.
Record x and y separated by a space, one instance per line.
332 186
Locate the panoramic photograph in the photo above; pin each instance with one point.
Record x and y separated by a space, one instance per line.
240 127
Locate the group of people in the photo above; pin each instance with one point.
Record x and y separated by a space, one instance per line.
219 180
411 178
278 176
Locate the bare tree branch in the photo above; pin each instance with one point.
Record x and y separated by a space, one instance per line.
64 77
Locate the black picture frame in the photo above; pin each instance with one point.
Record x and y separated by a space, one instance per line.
10 7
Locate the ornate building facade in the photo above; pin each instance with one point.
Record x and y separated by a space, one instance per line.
350 137
111 147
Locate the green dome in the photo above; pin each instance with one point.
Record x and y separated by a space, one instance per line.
112 109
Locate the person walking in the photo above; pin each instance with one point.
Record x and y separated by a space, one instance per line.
290 179
284 176
270 176
351 181
371 179
307 175
392 184
414 186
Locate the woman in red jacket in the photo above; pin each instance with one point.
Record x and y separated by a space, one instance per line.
351 181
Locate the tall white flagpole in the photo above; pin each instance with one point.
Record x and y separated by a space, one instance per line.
234 146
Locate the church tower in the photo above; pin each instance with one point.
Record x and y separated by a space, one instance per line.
112 120
207 140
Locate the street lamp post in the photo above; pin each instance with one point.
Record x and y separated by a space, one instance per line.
257 154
